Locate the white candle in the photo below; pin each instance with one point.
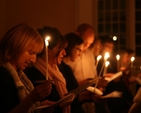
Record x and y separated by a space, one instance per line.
47 44
118 57
132 60
106 56
97 59
105 67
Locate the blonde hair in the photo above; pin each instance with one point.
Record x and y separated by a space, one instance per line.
17 39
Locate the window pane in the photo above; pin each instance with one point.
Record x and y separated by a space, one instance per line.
138 4
138 51
138 39
115 28
138 28
122 27
138 15
100 4
115 16
122 39
100 16
100 28
108 18
108 28
108 4
115 4
122 16
122 4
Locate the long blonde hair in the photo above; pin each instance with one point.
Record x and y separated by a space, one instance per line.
16 40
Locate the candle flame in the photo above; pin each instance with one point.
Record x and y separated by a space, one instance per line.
118 57
132 59
46 40
107 63
107 55
99 57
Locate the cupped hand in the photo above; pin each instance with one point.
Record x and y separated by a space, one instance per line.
102 83
41 91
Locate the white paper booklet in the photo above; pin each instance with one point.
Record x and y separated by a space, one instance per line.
114 76
114 94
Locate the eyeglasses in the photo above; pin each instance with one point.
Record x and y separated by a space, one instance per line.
80 50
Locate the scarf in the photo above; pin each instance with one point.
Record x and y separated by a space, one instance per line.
22 83
57 77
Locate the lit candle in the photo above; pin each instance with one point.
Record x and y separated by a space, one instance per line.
106 56
47 44
97 59
118 57
132 60
105 67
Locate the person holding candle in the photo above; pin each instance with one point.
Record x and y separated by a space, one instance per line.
84 66
18 48
73 51
107 47
56 52
115 105
129 78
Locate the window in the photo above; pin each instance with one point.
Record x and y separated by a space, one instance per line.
112 20
138 27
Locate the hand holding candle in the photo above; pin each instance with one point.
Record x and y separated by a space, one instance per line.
47 44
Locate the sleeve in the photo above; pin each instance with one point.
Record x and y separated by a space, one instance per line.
8 94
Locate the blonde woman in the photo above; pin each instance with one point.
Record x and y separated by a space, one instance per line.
18 48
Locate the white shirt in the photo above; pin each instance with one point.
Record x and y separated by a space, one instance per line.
84 67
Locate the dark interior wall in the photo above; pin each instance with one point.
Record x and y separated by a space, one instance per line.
55 13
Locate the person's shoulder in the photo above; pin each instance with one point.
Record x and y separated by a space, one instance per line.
3 70
64 65
5 75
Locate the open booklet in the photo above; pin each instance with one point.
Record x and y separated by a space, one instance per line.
83 87
70 95
114 76
114 94
65 100
97 91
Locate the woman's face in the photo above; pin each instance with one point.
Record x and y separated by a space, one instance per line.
125 58
26 57
53 57
76 52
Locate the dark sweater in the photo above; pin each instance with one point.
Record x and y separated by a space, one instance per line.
34 75
71 84
8 94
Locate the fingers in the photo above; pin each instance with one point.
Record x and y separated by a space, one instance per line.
41 91
47 102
